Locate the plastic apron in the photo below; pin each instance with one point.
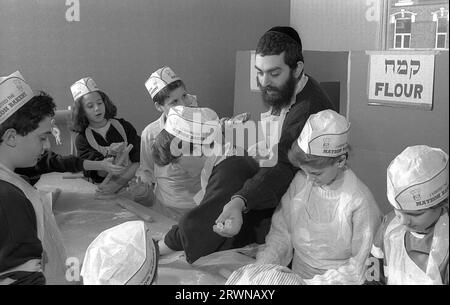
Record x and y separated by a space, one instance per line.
402 270
320 244
53 263
104 149
271 127
176 187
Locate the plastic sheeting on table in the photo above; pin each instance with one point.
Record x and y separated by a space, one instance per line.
81 218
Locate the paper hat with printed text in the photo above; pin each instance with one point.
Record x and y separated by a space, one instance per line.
325 134
82 87
264 274
122 255
195 125
418 178
14 93
160 79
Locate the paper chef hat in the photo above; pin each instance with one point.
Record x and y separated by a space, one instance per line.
325 134
82 87
14 93
264 274
418 178
122 255
160 79
195 125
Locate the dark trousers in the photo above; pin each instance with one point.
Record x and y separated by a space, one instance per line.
194 233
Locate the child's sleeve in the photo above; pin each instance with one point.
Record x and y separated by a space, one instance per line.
133 138
376 263
86 151
278 248
18 234
52 162
365 220
146 169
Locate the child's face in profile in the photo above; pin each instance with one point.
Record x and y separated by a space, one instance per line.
322 176
93 107
421 221
31 146
177 97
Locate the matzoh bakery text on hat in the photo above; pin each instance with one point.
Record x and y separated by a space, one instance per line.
14 93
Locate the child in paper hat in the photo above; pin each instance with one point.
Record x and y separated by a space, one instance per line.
178 177
101 135
327 218
164 184
411 246
169 184
27 226
122 255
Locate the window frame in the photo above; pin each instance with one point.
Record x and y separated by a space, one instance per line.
445 34
402 35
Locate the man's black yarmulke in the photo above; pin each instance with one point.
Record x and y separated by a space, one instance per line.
287 30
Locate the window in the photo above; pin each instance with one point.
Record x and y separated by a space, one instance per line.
441 19
402 33
402 28
415 24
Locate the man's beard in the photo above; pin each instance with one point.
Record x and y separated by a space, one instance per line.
279 97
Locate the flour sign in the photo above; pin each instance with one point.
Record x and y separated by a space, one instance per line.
401 79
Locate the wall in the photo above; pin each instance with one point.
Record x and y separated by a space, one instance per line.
330 25
120 43
378 133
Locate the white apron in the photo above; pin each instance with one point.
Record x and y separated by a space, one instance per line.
402 270
176 187
53 263
320 244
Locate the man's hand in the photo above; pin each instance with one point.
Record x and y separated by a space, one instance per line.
229 223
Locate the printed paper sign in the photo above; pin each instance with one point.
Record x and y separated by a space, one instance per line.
404 79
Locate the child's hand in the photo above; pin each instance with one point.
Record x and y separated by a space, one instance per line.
241 118
116 148
107 165
237 119
191 100
136 187
112 187
109 188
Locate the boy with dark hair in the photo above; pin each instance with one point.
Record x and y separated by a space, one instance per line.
31 251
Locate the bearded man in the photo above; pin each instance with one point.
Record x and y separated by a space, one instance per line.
292 97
